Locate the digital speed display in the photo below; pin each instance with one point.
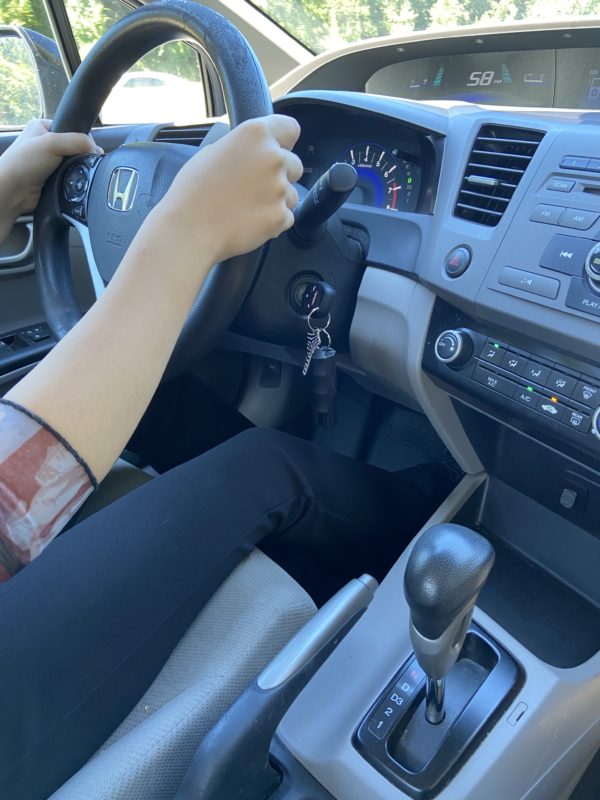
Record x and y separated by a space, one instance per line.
516 78
565 78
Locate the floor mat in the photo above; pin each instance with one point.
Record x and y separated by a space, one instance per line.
403 439
588 787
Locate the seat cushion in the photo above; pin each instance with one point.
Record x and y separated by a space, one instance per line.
244 625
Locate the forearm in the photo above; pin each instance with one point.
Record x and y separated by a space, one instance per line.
96 383
11 204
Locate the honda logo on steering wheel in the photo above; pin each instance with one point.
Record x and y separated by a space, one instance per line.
122 188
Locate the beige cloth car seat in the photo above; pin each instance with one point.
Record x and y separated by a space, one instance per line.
243 626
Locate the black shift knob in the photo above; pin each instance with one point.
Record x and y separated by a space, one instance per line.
446 570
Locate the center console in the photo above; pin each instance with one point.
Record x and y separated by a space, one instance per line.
497 340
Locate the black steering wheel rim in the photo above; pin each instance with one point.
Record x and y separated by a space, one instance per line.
246 96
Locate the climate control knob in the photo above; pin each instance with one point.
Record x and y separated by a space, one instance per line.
454 348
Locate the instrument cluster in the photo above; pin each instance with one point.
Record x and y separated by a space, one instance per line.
393 161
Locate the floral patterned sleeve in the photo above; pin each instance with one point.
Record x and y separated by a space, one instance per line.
43 482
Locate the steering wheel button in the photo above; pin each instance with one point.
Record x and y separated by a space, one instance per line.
76 183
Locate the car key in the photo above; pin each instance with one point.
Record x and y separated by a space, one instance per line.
313 342
318 296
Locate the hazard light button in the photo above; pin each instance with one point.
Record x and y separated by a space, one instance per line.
457 261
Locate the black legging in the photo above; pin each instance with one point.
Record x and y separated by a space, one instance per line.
86 627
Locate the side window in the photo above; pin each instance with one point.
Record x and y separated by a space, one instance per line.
163 86
28 51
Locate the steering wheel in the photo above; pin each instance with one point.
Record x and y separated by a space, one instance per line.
106 198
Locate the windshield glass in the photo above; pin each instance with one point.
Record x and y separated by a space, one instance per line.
323 24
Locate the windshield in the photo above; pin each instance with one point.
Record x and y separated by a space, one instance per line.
323 24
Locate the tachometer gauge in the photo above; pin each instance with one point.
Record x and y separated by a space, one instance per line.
384 179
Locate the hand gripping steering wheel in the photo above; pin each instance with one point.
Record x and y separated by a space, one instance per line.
106 198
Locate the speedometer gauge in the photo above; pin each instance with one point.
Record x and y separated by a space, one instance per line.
384 179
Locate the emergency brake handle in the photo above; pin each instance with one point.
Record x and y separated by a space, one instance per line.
233 758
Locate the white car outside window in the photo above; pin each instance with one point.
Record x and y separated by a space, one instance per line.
146 96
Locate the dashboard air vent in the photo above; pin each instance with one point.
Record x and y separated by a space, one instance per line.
497 162
186 134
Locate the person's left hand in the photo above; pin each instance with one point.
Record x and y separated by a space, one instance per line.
32 158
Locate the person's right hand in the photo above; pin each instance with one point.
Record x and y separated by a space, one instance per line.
235 194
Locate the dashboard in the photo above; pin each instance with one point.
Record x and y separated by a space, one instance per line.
478 157
501 221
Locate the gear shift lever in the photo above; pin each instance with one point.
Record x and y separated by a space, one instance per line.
446 570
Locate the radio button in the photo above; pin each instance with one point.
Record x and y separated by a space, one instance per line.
566 254
577 420
577 218
563 384
529 282
581 297
536 372
586 393
560 185
548 214
574 162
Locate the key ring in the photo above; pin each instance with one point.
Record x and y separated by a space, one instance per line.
319 330
324 329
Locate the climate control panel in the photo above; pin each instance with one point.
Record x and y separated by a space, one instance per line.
517 381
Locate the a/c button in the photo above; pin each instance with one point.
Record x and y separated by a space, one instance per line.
526 397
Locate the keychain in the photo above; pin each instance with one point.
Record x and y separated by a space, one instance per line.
313 340
321 361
